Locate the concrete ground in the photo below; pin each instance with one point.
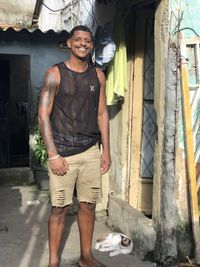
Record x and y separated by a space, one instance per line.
24 214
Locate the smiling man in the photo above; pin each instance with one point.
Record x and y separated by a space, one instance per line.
73 120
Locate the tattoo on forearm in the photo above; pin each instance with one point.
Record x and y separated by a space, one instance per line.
48 91
47 94
46 131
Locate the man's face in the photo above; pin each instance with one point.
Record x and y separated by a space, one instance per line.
80 44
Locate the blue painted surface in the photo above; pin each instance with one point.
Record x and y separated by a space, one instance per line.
190 10
191 15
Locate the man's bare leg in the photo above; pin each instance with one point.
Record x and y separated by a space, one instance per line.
56 228
86 220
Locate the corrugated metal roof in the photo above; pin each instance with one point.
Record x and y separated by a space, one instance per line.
30 30
34 35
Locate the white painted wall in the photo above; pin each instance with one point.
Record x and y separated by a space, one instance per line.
13 12
85 12
76 13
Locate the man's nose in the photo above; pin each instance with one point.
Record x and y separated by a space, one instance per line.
83 42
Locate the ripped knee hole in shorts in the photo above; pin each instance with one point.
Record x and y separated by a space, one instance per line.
61 197
95 192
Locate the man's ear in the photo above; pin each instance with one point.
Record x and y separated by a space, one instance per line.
69 43
92 46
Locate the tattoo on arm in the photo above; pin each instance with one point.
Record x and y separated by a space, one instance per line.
48 92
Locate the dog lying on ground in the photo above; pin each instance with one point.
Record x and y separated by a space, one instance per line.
117 243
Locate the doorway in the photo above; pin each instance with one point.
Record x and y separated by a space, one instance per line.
144 124
14 110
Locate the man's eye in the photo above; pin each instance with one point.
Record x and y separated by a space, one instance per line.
79 39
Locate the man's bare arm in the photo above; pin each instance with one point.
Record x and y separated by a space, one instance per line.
49 89
47 95
103 122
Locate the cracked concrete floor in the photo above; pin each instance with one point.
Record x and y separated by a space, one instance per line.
24 214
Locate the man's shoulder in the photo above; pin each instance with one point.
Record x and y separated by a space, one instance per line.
100 74
98 70
53 68
53 71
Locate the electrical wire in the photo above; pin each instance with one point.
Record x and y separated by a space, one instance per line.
75 17
61 9
93 13
72 4
187 28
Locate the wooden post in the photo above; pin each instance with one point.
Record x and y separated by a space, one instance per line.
191 161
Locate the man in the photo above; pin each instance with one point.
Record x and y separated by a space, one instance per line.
73 119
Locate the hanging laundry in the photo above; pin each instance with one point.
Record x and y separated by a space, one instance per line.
116 84
104 46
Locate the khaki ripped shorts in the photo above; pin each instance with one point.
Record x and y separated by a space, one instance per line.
84 172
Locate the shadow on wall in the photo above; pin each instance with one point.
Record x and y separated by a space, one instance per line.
113 110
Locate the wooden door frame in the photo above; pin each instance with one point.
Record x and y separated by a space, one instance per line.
136 184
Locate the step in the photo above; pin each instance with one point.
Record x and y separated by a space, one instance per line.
16 176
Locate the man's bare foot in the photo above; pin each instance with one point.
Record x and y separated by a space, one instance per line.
53 263
89 261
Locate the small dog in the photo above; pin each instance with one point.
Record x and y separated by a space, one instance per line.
117 243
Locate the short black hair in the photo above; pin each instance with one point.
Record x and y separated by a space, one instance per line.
80 28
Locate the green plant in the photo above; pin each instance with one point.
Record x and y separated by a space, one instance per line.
40 151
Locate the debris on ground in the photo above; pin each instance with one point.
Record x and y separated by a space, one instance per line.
4 229
189 263
33 202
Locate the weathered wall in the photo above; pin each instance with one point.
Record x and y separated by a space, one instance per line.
22 12
115 114
189 27
164 190
120 114
171 212
169 185
119 125
43 52
134 224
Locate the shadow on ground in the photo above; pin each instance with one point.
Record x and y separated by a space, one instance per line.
24 215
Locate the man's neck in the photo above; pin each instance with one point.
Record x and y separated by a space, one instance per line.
78 65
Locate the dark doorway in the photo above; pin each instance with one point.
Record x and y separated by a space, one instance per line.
14 100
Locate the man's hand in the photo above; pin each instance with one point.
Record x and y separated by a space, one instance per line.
59 166
103 123
105 162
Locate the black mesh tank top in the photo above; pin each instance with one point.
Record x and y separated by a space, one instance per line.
74 115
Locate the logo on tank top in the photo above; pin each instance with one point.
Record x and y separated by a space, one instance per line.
92 88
